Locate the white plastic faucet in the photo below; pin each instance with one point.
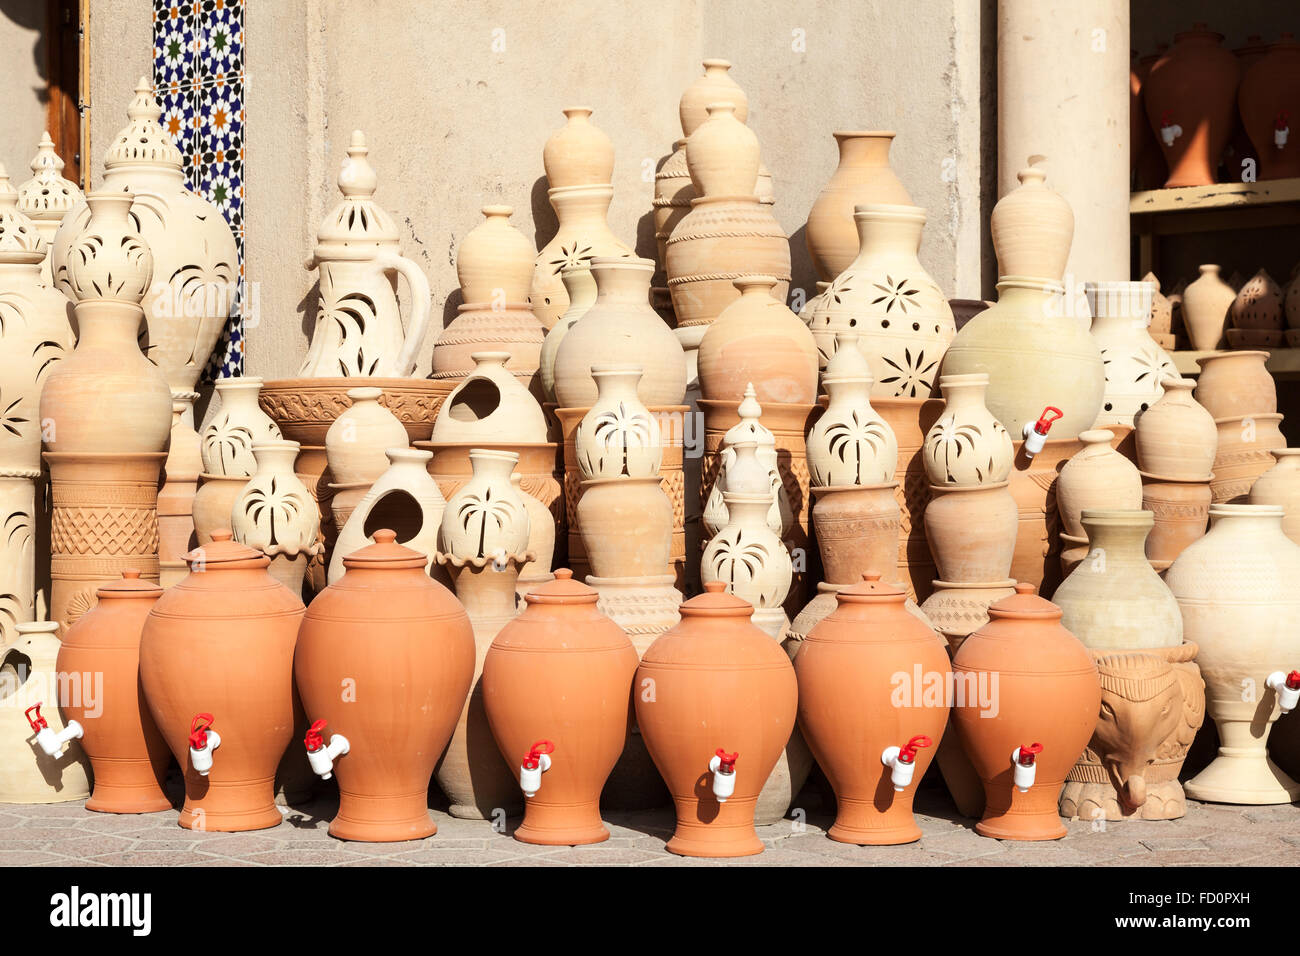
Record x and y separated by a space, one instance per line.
203 741
321 755
902 760
1025 769
536 762
47 739
1287 688
723 768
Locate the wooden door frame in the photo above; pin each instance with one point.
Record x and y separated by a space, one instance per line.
67 77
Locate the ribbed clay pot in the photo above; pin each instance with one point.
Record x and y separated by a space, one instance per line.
561 674
857 530
1280 485
100 658
1097 476
1176 437
852 708
971 530
720 684
1235 384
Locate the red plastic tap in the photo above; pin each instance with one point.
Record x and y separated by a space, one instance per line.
1283 120
1166 119
1045 420
907 753
38 722
199 731
1027 754
314 740
1293 680
531 760
727 762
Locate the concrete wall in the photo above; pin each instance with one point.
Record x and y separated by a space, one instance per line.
454 123
120 35
22 116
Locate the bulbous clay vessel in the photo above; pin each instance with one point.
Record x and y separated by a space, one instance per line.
971 530
411 676
1257 310
1181 510
581 288
1268 100
277 515
1047 698
216 655
853 710
100 658
1280 486
1032 227
756 339
355 448
1206 304
967 445
583 235
1096 477
1244 453
715 85
494 262
618 437
1176 437
863 177
720 684
561 672
621 328
490 405
857 528
626 525
578 154
1236 589
228 438
1190 94
1134 364
850 444
886 297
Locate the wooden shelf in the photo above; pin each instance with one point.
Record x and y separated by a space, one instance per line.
1283 363
1270 192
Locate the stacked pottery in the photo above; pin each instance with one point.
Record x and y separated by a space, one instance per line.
99 665
29 684
780 516
1280 485
47 197
275 514
1269 98
1134 363
482 544
872 739
888 298
410 678
494 264
1236 589
216 669
355 449
724 705
1206 305
1176 443
862 177
557 682
106 411
580 285
852 455
1190 96
196 263
226 449
405 499
1033 675
579 162
1097 476
1035 352
184 465
1237 389
34 335
1152 695
1257 314
970 520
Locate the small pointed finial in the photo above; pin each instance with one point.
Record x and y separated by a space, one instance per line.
144 106
357 177
749 407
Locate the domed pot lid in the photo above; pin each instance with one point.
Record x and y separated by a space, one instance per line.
716 601
1025 604
131 585
871 590
223 553
562 590
385 554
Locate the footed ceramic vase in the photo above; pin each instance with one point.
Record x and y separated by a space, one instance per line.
355 449
967 445
872 737
216 664
583 235
100 662
1176 437
1280 486
581 288
1235 587
404 499
1206 303
885 295
359 329
850 444
557 681
862 177
1235 384
1135 364
47 198
1097 476
618 437
1267 99
28 688
276 514
411 679
1046 702
724 689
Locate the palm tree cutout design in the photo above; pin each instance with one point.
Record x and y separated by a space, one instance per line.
209 290
268 506
18 533
484 515
44 355
351 315
9 421
847 438
956 440
738 559
614 431
914 375
895 294
228 444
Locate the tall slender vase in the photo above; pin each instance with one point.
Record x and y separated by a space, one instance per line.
1135 364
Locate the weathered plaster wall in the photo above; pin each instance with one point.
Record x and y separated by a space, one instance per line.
22 51
121 51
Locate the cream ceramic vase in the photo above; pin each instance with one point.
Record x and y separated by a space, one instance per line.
277 515
1205 309
490 405
620 328
486 518
1135 365
580 286
780 517
355 449
863 177
583 235
1096 477
405 499
541 540
1236 589
196 263
578 154
1032 227
757 340
885 295
1280 487
1236 383
1114 599
494 262
1176 438
967 445
359 331
47 197
618 437
850 444
228 438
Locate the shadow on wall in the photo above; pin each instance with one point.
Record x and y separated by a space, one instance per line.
30 15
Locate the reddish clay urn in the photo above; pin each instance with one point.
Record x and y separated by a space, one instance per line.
1023 681
385 657
1269 101
99 665
561 672
220 643
872 676
715 682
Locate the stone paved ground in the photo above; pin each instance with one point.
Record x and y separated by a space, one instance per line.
65 834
